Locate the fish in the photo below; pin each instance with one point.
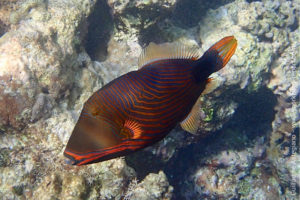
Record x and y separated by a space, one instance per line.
141 107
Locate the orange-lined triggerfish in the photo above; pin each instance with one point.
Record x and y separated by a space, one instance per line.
143 106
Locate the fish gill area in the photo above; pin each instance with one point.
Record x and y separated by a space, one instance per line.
54 54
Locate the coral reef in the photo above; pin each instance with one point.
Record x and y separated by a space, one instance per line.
55 54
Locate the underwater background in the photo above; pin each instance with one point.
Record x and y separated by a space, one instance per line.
54 54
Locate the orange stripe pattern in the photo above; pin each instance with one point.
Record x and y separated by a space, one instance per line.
141 107
156 98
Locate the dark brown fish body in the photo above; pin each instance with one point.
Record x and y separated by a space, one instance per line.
139 108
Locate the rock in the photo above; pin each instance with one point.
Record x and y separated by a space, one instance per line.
154 186
6 8
38 57
16 88
219 175
114 179
104 181
41 107
139 18
122 55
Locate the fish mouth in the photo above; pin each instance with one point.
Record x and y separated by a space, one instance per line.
70 160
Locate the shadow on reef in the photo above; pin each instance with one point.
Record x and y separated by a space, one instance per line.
250 1
100 28
3 27
254 115
252 120
147 22
188 13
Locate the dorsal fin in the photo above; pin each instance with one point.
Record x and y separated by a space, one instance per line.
166 51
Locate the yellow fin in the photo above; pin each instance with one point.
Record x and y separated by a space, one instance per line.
211 85
191 122
166 51
193 119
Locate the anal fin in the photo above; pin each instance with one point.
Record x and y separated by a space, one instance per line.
211 85
193 119
191 122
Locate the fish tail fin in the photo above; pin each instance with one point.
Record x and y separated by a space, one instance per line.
223 50
215 58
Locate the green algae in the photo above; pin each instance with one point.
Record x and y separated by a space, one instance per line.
255 172
254 86
4 158
18 189
244 187
209 112
25 9
272 180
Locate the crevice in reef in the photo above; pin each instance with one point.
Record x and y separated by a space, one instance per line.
188 13
148 32
295 25
100 28
263 38
250 1
144 162
255 112
3 27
